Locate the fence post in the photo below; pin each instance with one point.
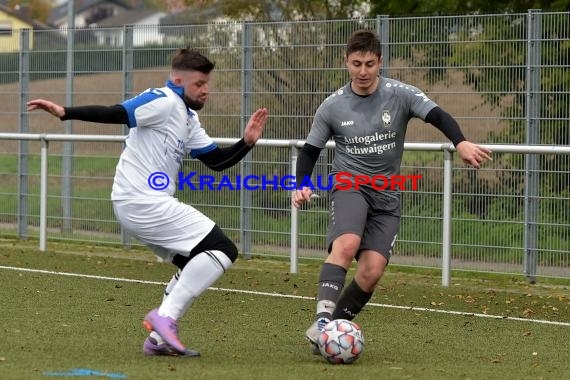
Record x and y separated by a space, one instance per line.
67 159
446 235
245 165
23 153
383 27
294 216
128 84
532 138
43 192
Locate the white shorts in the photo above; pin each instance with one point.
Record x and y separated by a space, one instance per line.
166 225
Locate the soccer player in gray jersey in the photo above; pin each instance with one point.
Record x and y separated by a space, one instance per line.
164 127
367 118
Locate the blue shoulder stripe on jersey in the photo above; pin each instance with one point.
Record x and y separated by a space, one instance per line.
196 152
140 100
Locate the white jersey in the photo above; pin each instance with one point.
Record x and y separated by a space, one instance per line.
162 131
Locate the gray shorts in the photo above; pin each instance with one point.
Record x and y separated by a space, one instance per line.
372 215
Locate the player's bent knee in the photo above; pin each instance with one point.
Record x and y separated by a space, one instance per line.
217 244
230 249
217 240
369 277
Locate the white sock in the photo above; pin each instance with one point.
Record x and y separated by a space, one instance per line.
171 284
167 291
197 276
325 308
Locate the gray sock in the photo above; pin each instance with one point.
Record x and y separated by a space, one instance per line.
331 283
351 302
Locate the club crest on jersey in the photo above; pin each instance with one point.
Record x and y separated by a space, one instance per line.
386 118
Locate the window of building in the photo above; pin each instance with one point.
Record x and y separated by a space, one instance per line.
5 28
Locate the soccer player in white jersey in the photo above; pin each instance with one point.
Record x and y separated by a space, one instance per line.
163 127
367 118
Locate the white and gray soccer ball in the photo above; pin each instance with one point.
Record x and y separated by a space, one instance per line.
341 341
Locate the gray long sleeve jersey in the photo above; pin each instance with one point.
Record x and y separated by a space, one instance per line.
369 131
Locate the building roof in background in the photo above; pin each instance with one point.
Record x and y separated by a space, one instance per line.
193 16
23 14
129 17
60 11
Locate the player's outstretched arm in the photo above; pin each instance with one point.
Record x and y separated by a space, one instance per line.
305 164
301 196
223 158
46 105
470 153
473 154
255 125
115 114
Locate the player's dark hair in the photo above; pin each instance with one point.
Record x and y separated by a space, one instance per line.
191 60
364 41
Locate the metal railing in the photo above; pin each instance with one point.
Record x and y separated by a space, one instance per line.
294 145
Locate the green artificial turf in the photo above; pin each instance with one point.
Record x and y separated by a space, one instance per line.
251 325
